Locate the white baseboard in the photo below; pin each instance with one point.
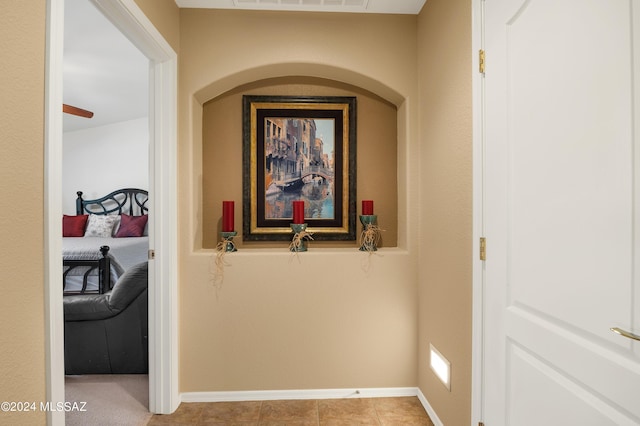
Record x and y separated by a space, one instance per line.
429 409
311 394
296 394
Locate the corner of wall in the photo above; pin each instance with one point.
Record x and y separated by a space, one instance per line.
446 182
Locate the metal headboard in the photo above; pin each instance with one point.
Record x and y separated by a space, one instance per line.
131 201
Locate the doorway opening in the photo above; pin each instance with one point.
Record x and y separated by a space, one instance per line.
131 21
105 151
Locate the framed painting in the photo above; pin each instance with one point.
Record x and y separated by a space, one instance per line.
299 148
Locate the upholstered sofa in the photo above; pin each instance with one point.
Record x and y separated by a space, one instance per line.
108 333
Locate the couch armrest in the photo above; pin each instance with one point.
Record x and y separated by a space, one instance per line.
87 307
90 307
129 286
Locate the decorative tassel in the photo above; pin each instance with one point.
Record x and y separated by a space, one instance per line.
370 238
298 237
217 274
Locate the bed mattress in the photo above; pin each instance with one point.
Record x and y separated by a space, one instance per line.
123 253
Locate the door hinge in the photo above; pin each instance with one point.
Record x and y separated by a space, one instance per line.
481 61
483 248
152 254
480 424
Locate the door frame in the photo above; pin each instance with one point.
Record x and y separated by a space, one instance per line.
163 310
477 344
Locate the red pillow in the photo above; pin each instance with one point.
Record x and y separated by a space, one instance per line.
131 226
73 226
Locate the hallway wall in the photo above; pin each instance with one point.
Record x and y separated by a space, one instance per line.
22 341
445 285
320 320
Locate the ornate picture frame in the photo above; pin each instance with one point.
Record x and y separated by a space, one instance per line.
299 148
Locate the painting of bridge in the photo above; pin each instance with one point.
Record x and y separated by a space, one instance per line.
298 148
298 152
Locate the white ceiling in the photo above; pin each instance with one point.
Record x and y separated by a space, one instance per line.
106 74
102 71
411 7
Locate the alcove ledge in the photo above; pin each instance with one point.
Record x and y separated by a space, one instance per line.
311 252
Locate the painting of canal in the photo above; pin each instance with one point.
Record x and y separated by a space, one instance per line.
299 159
299 148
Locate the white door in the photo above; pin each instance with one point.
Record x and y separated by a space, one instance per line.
561 212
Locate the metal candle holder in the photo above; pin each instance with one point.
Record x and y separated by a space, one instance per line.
227 237
367 243
298 243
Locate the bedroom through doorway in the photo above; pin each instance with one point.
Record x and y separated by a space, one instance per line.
127 16
105 150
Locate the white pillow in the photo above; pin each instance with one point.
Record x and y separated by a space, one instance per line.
100 225
116 226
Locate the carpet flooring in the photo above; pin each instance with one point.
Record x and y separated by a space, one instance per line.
111 400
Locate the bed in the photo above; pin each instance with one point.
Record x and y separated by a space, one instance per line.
106 237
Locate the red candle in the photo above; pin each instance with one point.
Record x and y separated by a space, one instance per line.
367 207
298 212
227 216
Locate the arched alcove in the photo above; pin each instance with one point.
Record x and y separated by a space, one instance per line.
294 69
222 153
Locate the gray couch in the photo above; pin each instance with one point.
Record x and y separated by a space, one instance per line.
108 333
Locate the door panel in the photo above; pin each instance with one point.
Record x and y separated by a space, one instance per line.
560 212
567 151
535 380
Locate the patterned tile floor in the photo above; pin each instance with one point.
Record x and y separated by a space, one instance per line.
401 411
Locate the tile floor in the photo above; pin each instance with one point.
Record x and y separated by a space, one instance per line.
400 411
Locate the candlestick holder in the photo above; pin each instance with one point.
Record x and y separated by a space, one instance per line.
227 241
370 233
300 237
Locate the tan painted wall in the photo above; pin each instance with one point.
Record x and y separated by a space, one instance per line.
376 156
278 322
321 320
22 310
444 39
165 16
22 360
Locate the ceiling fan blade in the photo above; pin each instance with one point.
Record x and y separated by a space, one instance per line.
76 111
